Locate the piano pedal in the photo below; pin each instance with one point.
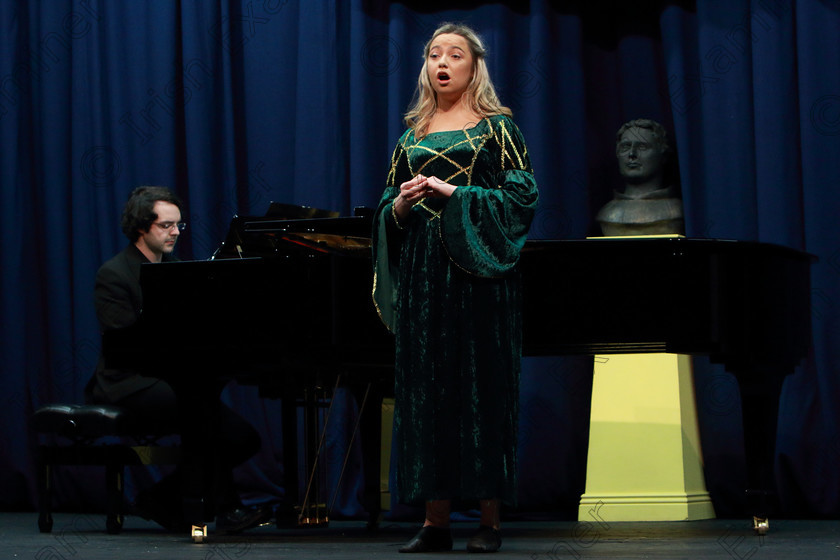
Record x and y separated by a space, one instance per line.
198 533
761 525
315 521
314 516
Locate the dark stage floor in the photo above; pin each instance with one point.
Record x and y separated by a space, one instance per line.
82 537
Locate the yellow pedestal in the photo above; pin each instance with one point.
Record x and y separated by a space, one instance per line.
645 461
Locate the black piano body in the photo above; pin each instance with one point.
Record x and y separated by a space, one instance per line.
286 302
745 304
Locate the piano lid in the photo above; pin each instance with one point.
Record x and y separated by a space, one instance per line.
287 225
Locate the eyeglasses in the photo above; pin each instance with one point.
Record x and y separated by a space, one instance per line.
167 226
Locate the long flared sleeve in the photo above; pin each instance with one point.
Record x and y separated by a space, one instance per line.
387 238
484 229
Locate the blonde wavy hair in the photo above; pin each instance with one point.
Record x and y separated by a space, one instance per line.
480 94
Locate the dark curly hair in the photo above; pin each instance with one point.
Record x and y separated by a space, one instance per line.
139 213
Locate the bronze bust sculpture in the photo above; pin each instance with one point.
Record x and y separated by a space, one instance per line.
647 206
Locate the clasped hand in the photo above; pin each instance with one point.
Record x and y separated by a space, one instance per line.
418 188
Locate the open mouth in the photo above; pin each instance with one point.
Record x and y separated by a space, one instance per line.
443 77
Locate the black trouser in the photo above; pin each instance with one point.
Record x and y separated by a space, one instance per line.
214 440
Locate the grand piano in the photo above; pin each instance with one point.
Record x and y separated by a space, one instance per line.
745 305
285 304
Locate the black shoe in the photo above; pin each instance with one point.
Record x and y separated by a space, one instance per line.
487 539
240 519
430 539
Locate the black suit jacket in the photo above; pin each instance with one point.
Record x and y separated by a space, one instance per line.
118 300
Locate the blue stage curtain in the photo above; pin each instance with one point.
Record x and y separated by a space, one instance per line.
237 103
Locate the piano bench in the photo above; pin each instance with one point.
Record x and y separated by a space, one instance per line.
100 435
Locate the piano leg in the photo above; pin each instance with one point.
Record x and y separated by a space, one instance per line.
199 409
291 482
760 412
369 398
313 511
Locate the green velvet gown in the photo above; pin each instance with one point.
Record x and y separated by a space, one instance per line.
446 284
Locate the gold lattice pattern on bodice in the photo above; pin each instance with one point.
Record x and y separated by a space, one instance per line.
510 156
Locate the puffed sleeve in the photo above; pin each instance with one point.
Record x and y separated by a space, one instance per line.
484 229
